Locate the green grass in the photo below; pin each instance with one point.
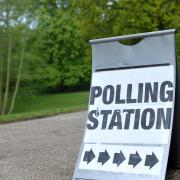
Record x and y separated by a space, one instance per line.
35 106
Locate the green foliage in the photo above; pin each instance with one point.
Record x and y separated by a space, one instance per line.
77 74
93 18
135 16
44 78
58 55
60 60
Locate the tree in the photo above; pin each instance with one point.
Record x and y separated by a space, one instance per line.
120 17
145 15
13 19
93 17
60 58
57 53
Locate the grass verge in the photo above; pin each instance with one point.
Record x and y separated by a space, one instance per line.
32 107
34 115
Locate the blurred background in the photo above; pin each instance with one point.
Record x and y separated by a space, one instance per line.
45 56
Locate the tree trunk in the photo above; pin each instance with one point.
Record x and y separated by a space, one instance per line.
6 94
18 77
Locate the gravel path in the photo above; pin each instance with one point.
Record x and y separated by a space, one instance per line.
44 149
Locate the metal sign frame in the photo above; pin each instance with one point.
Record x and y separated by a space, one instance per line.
106 54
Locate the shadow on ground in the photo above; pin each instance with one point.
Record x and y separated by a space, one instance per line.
173 175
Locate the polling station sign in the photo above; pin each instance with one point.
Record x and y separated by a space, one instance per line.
131 109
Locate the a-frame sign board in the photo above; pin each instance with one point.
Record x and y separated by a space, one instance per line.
131 109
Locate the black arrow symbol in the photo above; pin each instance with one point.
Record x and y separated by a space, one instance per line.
151 160
89 156
103 157
118 158
134 159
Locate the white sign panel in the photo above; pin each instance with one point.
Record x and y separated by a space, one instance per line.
126 109
131 109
